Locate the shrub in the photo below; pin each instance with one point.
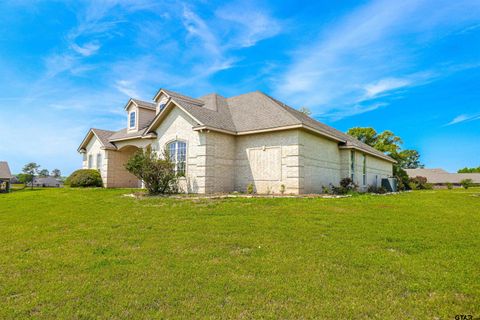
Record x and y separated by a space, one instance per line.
402 177
282 189
85 178
325 189
157 173
412 186
467 183
449 186
428 186
250 188
419 183
346 186
377 190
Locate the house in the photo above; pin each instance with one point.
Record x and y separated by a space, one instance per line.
442 177
223 144
46 182
5 177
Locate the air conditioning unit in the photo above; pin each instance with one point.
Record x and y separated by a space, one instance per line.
390 184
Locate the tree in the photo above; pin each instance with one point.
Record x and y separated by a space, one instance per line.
390 144
305 111
30 169
469 170
157 173
56 173
408 159
466 183
43 173
386 141
366 135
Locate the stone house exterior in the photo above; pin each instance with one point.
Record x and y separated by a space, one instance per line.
5 177
223 144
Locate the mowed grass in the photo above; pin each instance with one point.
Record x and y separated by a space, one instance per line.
94 254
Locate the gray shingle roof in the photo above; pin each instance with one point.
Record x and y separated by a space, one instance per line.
5 170
145 104
245 113
124 134
104 137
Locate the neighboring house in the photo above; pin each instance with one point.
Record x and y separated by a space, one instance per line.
223 144
46 182
5 177
440 176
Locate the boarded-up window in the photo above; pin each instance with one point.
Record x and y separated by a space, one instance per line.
266 163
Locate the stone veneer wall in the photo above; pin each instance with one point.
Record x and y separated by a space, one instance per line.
178 126
281 161
94 148
321 161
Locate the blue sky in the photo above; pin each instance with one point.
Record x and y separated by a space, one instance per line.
412 67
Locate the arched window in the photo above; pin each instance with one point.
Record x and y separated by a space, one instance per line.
177 150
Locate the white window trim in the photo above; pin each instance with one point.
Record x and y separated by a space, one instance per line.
352 165
130 120
364 172
176 141
90 161
99 163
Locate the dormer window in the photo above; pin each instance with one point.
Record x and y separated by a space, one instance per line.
161 106
132 120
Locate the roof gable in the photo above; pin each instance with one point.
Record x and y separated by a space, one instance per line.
5 170
103 137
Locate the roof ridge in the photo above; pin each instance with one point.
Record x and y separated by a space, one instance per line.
177 95
102 130
226 107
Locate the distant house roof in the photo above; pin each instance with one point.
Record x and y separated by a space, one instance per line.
48 181
437 176
5 170
248 113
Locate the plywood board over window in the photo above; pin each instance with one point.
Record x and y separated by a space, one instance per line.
266 163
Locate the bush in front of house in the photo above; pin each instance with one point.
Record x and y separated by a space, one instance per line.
250 188
419 183
467 183
85 178
346 186
157 173
376 190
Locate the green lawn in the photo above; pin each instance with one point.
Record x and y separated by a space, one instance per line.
85 254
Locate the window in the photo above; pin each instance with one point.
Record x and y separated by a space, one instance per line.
177 151
90 161
161 106
364 169
352 164
132 119
99 161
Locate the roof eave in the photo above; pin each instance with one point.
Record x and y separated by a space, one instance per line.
384 157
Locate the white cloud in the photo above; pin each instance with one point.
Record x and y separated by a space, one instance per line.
463 118
371 53
127 88
87 49
249 23
384 85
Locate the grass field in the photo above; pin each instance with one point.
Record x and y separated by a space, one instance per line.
84 254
